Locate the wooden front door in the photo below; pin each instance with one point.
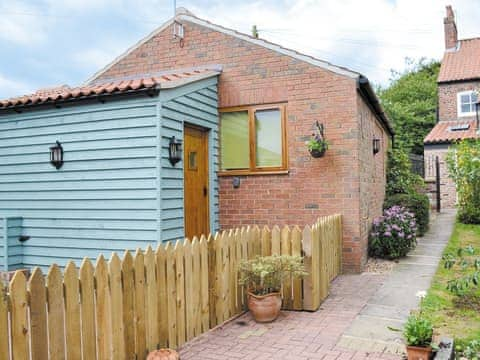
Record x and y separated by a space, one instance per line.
195 159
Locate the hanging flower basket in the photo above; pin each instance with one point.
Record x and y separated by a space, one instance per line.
318 153
317 145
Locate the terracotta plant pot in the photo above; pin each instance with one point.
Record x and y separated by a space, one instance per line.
317 153
419 352
163 354
264 308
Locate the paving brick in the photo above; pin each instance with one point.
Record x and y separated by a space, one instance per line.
295 335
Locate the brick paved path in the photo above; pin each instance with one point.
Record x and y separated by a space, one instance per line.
295 335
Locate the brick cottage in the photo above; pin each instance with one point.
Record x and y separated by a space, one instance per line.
458 81
245 160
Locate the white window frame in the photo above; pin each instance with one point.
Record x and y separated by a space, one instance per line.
459 103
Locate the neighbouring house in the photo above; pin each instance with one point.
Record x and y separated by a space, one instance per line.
244 158
458 81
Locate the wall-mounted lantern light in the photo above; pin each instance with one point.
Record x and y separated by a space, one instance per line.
56 155
376 145
175 150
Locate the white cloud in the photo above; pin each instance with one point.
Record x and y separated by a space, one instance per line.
19 25
12 87
370 36
93 59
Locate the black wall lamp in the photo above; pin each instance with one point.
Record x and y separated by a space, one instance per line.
56 155
376 145
175 150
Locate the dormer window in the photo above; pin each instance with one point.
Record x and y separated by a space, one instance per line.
466 101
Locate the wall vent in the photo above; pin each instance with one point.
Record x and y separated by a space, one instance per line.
178 30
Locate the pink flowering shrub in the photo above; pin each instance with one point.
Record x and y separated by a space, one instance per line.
393 235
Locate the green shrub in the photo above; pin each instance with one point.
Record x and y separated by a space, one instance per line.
417 203
463 161
418 331
471 351
400 178
469 214
393 234
266 274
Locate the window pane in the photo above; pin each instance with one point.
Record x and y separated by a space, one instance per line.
235 144
465 99
268 127
474 97
465 108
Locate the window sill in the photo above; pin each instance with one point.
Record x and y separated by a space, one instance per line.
248 173
460 115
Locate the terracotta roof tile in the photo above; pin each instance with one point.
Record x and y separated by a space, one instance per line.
463 63
444 132
108 87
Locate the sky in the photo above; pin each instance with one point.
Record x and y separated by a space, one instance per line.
46 43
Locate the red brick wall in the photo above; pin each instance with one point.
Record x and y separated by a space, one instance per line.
372 173
255 75
447 99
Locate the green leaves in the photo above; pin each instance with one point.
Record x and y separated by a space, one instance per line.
410 101
400 179
265 274
459 263
418 331
464 168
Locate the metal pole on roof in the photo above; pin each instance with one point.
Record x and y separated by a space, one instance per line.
174 8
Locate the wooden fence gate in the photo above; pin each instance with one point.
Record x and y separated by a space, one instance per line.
124 308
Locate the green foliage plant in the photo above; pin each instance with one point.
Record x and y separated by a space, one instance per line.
393 235
417 203
418 331
317 141
266 274
463 160
471 351
316 144
400 178
410 101
468 269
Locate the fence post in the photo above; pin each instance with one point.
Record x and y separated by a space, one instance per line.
38 317
4 329
437 183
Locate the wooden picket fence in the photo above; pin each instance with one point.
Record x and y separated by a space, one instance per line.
121 309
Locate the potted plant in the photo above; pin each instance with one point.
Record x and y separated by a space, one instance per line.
263 278
317 145
418 333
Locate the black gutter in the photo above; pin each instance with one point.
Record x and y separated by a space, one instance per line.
456 81
367 93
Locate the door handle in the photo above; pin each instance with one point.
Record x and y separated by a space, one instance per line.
205 191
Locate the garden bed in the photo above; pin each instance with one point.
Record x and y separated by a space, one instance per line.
451 315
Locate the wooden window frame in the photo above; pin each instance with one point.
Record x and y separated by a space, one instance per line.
253 169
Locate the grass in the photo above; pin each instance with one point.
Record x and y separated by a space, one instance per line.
451 315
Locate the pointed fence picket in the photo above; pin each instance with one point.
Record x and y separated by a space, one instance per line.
124 308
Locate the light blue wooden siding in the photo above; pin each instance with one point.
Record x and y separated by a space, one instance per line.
195 104
11 250
15 247
2 244
105 196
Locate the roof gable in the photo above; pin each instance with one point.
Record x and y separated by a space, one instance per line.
462 62
185 15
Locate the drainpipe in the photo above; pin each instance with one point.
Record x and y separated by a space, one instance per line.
5 244
477 105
